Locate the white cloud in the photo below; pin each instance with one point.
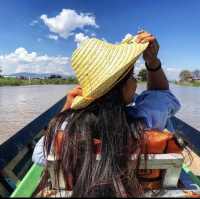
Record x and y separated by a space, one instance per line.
172 73
93 34
104 39
138 61
23 61
127 36
53 37
34 22
67 21
80 37
138 66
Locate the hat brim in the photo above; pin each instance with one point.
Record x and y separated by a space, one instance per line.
97 80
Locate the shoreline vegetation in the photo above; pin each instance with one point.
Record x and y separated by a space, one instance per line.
193 84
186 78
8 81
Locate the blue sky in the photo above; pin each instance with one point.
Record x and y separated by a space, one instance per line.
39 36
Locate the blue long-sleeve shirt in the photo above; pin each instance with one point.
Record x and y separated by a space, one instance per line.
156 107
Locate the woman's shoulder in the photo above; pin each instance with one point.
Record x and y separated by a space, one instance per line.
159 95
155 107
157 99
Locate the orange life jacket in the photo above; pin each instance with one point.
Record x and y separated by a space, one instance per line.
156 142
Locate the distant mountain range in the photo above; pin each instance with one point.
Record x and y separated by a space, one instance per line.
36 75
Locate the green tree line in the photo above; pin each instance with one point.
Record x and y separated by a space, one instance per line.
187 75
8 81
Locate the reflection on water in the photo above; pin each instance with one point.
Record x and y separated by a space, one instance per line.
20 105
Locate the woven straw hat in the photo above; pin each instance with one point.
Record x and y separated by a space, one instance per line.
99 66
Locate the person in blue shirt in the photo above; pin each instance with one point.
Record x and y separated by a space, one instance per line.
113 122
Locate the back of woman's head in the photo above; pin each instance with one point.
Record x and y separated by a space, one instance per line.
104 120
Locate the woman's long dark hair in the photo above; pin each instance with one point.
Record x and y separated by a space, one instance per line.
114 175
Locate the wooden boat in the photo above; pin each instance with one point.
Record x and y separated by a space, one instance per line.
19 177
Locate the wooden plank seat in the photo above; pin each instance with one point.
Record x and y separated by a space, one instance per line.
171 163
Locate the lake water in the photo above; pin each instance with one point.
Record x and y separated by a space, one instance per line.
21 104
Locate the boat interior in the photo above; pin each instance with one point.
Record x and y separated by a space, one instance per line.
19 177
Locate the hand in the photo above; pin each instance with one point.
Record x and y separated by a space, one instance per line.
77 91
150 54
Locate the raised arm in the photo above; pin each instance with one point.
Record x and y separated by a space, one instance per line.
156 77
